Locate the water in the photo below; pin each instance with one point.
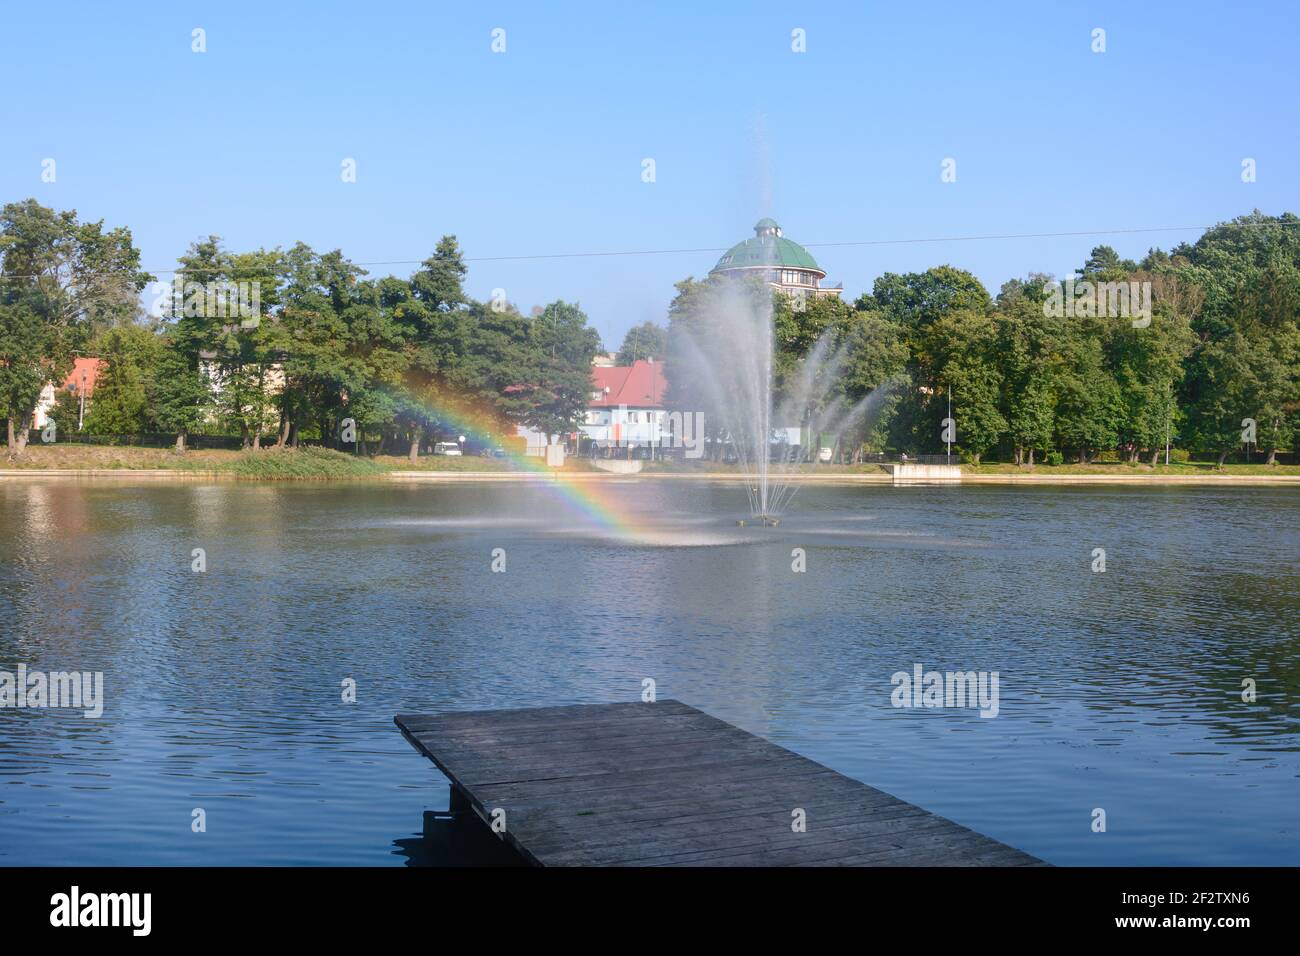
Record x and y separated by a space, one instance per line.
1118 690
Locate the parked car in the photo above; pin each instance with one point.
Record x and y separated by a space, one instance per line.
449 448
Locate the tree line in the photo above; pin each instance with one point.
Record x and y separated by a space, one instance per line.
1053 370
317 343
410 360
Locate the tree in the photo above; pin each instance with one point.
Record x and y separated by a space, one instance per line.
66 413
644 341
338 347
1089 409
245 381
558 387
798 324
917 302
919 298
1105 265
26 341
1225 378
60 281
1246 364
184 393
1026 341
873 365
963 349
139 346
428 313
118 404
1149 365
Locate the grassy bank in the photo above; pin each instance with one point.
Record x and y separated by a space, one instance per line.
301 464
702 467
311 463
441 463
266 464
1172 470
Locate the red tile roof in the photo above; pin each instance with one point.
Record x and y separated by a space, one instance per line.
639 385
87 367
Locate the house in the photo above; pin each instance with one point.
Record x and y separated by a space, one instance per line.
626 411
80 382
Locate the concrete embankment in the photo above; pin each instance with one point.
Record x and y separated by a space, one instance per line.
898 475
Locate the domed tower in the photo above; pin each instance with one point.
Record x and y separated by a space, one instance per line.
785 264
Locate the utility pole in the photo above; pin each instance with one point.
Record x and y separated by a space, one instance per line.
81 415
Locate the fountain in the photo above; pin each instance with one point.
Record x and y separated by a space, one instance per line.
723 357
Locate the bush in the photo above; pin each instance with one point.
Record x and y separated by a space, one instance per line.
304 462
1054 458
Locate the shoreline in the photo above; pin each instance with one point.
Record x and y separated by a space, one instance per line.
472 477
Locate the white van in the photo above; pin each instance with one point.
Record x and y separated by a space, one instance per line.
446 448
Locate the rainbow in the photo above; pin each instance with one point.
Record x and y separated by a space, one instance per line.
590 500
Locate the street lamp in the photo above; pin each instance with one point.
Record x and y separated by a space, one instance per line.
948 460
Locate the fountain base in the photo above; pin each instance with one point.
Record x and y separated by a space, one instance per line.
767 521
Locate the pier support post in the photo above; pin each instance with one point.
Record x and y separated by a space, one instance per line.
459 803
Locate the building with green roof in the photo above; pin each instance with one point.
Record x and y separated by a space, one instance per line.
785 264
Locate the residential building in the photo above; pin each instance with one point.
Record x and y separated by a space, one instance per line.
80 382
626 412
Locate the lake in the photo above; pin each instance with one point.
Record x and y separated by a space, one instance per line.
224 689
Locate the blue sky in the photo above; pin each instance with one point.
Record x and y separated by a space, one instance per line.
539 150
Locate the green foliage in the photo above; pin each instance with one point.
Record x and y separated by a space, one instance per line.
118 405
917 299
414 360
643 341
61 280
943 318
1247 362
66 412
558 386
307 462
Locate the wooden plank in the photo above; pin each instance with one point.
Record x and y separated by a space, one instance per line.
664 784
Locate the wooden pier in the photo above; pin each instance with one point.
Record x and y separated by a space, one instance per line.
664 784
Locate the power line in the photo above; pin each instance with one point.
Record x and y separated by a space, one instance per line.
859 242
989 237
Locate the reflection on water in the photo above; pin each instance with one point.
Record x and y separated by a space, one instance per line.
1119 690
460 839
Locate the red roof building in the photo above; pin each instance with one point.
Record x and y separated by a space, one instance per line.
84 375
639 385
85 372
627 406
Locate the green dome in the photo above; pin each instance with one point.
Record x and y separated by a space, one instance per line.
769 249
